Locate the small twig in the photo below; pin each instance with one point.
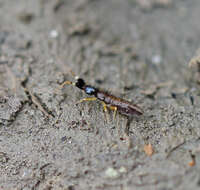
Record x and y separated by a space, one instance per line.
36 101
173 149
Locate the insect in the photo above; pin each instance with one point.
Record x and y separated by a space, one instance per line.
112 102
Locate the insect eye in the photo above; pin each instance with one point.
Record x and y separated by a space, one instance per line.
80 83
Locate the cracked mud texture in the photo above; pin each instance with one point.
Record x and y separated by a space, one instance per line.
136 49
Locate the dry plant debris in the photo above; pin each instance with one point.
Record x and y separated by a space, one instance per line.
148 149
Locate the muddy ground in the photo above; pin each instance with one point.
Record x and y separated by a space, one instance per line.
138 50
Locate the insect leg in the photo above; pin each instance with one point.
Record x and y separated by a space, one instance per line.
86 99
114 108
105 110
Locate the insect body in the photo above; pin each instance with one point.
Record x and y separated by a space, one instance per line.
117 104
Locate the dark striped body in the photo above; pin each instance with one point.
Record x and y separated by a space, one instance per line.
123 106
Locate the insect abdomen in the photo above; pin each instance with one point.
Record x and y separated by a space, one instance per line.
130 110
124 107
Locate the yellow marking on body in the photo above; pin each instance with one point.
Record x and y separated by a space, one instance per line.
87 99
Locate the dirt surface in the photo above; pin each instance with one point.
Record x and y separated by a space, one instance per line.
138 50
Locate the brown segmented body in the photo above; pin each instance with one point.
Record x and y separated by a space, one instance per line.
123 106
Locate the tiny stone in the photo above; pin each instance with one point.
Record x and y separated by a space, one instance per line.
156 59
111 173
63 138
54 34
122 169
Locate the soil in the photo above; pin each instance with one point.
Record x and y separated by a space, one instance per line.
138 50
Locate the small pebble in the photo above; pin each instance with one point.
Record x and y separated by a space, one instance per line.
156 59
54 34
122 169
111 173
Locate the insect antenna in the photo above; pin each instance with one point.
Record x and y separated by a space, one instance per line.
69 82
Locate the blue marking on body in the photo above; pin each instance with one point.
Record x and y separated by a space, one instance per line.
89 90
